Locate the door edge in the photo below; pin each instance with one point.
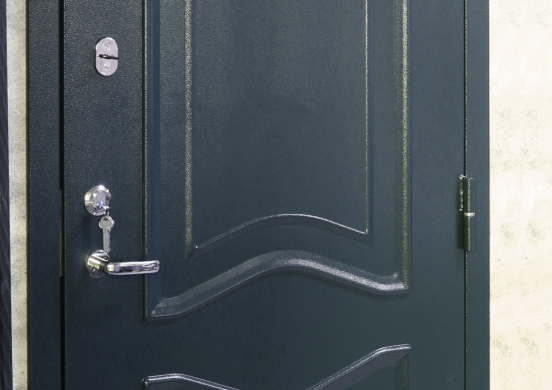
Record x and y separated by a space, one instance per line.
477 274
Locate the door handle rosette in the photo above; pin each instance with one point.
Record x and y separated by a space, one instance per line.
98 263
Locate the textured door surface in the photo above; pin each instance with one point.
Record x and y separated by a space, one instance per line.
293 165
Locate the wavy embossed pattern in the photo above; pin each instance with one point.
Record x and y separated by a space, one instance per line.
181 382
280 219
364 367
341 380
291 261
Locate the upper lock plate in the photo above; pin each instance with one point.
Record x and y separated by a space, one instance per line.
107 56
97 200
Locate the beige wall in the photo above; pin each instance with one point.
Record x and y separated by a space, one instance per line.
521 192
17 139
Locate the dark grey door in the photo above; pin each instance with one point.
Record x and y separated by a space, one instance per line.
293 166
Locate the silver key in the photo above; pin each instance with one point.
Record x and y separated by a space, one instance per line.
106 223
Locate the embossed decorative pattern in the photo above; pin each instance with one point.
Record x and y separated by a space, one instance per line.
341 380
317 265
294 261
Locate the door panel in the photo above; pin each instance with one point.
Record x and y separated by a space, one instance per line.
272 152
293 165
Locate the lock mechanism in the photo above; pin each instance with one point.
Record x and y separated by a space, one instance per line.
97 200
107 56
98 263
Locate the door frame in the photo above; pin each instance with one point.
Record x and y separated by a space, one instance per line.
45 167
5 281
44 181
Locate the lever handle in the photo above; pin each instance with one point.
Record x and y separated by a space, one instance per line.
99 264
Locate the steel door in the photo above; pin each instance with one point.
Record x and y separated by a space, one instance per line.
293 166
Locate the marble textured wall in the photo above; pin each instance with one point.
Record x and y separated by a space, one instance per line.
17 124
521 193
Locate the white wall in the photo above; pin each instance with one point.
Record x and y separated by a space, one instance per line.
521 191
521 194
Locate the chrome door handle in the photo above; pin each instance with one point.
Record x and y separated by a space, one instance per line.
99 264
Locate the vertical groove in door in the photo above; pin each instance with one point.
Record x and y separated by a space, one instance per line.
62 286
188 129
61 197
402 133
367 36
151 143
151 126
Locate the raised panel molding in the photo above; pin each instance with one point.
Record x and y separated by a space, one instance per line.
316 265
290 261
397 356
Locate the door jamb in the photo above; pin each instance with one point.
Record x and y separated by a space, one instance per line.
6 371
44 123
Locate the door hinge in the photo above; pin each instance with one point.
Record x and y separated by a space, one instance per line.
466 201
